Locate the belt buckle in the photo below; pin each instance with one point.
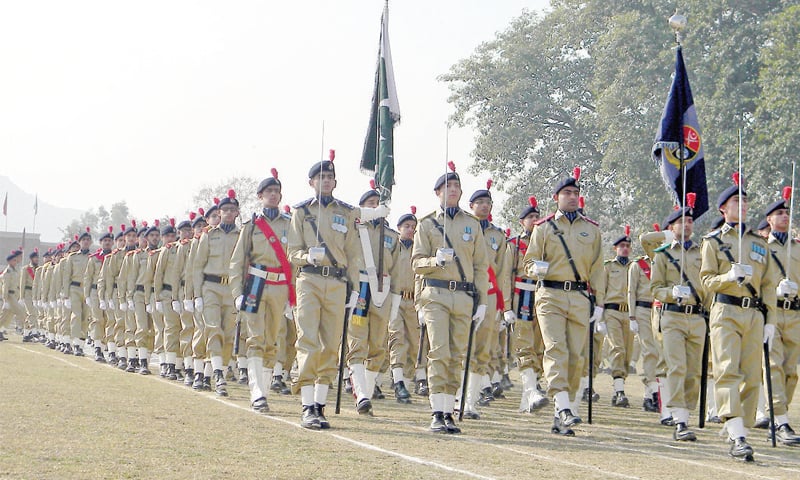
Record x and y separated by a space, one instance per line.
452 285
567 286
325 271
787 304
224 280
623 307
746 301
688 309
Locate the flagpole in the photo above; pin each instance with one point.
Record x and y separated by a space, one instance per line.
678 23
35 211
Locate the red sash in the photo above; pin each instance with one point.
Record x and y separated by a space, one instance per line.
645 267
500 304
263 225
30 271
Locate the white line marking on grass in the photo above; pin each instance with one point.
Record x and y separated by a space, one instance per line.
52 356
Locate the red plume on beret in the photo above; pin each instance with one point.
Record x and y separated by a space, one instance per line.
576 173
110 229
508 232
88 230
489 184
656 227
736 178
76 237
157 222
172 221
691 198
122 227
676 207
372 183
413 210
201 211
133 223
490 217
231 193
274 172
144 223
581 202
787 193
216 201
35 249
286 209
451 166
331 154
192 216
627 230
533 202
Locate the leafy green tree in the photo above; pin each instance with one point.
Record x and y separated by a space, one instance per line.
243 187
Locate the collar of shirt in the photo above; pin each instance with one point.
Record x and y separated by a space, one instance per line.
227 227
571 216
623 260
271 213
484 224
85 252
781 236
407 243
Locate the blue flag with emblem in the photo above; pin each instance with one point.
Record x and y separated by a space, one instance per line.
679 126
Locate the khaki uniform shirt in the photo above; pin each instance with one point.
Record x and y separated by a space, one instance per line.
109 271
26 281
665 275
214 251
638 283
262 251
403 276
781 252
168 271
91 276
497 253
616 281
10 283
188 270
74 266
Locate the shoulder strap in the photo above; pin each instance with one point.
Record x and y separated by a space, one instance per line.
560 236
675 263
449 244
266 229
645 267
780 265
727 252
310 220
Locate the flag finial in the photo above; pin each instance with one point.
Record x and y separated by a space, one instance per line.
677 23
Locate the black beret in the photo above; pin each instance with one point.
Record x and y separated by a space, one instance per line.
184 224
367 195
763 225
727 194
676 214
533 207
34 253
480 194
14 254
321 166
440 181
775 206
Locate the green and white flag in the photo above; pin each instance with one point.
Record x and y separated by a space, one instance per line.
378 156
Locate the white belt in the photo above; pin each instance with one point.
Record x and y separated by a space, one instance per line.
363 277
530 287
268 276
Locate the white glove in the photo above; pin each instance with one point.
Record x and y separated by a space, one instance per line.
634 325
88 302
188 305
6 306
786 288
177 306
103 305
769 335
510 317
288 311
351 304
59 303
111 304
681 292
68 304
600 327
198 304
501 325
441 258
739 271
396 299
123 306
21 303
669 237
237 302
160 307
480 313
421 317
53 304
597 315
315 255
367 214
148 308
131 305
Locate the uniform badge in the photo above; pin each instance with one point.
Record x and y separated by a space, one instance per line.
584 234
495 246
467 234
388 242
757 253
283 238
339 223
272 239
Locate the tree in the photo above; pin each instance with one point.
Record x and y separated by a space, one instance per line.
97 221
244 187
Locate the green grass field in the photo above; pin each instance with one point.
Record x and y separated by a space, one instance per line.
65 417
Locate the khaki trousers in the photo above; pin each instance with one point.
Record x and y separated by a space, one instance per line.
404 334
683 338
143 337
529 345
650 348
263 326
78 314
620 341
286 352
367 337
219 315
783 359
172 324
448 316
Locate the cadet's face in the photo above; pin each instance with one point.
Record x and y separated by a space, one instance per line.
130 239
85 243
323 183
682 224
407 229
731 209
121 242
567 199
623 249
453 192
214 218
229 214
186 232
198 229
106 243
779 220
169 238
35 261
153 238
270 197
74 247
529 221
142 241
371 202
14 261
481 207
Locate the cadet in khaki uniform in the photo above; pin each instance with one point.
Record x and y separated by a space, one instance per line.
202 367
640 303
737 323
91 279
63 312
212 292
126 323
486 344
528 342
262 286
48 301
150 300
619 328
137 275
186 316
285 352
166 285
38 302
26 283
135 240
683 327
453 294
323 244
563 305
107 297
10 293
72 291
404 327
785 350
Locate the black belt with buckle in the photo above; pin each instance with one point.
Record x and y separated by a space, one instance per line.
644 304
566 286
166 287
743 302
451 285
620 307
785 304
94 286
115 284
215 279
183 283
687 309
324 270
140 288
28 287
75 284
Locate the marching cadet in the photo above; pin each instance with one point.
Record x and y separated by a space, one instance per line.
202 368
211 288
150 300
91 279
262 287
137 274
166 283
764 228
285 351
742 284
107 298
619 327
10 294
38 303
404 329
486 343
785 350
126 348
640 303
186 318
368 328
529 346
48 300
683 328
450 257
72 290
565 254
27 281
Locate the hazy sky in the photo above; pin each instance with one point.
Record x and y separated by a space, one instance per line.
147 101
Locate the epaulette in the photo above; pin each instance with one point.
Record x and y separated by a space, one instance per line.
610 260
185 241
593 222
344 204
114 251
154 251
545 219
286 216
390 229
661 248
304 203
131 252
432 214
714 233
469 215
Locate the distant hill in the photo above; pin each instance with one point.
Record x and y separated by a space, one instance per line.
20 213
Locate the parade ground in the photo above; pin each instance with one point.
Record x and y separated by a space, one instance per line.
70 417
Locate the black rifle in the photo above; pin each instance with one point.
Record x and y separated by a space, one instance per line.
342 354
466 370
768 371
703 377
422 329
245 264
591 358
